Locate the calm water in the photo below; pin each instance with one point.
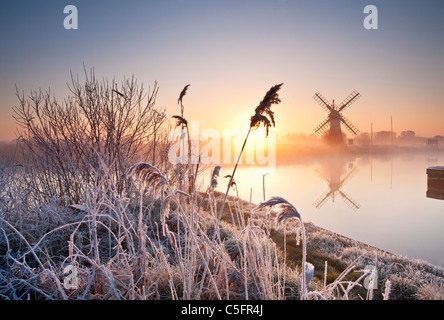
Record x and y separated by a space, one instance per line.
379 200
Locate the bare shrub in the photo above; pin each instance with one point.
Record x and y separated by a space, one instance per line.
63 141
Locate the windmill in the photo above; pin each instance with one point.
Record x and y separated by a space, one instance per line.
335 183
335 117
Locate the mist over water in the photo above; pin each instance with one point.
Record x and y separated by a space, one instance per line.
377 199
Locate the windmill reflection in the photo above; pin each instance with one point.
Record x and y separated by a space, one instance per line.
333 177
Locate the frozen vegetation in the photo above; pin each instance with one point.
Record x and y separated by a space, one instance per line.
91 208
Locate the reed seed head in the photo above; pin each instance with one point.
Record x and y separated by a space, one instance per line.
150 176
285 210
214 176
257 119
263 113
180 121
182 94
233 183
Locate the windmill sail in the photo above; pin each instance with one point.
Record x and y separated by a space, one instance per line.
322 199
349 125
349 201
322 101
349 175
349 100
323 126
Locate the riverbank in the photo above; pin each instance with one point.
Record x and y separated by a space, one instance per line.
144 248
332 253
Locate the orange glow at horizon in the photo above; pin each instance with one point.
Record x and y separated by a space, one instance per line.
231 58
295 114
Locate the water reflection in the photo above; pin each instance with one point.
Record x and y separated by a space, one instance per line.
336 176
394 212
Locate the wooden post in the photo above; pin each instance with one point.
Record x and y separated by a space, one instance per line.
435 183
263 184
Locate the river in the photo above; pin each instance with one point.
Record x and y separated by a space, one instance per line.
377 199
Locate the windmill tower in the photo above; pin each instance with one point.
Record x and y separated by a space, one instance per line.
335 117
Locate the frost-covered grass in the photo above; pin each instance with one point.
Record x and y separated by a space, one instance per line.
81 218
135 248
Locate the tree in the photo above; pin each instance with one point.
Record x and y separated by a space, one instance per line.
409 134
384 136
364 139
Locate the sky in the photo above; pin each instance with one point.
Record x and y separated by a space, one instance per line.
232 52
